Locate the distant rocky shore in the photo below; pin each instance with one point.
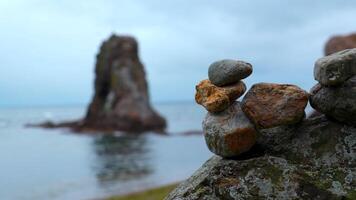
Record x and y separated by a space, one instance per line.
121 99
265 146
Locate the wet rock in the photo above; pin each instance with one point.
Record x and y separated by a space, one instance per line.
225 72
318 162
338 43
336 102
121 100
216 99
336 68
229 133
269 105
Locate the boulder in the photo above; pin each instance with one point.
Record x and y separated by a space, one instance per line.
336 68
336 102
229 133
121 100
269 105
340 42
216 99
225 72
317 162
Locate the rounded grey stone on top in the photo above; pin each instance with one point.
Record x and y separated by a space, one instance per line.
335 68
225 72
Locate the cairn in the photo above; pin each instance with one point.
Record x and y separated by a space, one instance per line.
231 127
335 94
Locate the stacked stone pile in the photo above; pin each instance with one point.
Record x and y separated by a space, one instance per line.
294 157
232 127
335 94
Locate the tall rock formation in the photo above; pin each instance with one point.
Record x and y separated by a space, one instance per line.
121 100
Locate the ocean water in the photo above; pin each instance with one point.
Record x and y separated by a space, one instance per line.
38 163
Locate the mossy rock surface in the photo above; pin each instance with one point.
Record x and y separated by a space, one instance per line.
315 161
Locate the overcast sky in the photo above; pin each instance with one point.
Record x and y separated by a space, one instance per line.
48 48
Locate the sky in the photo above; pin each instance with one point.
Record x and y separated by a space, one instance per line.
48 48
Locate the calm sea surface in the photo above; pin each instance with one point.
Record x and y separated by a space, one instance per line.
40 163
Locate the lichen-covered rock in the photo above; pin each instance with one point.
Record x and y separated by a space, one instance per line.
336 102
216 99
121 100
338 43
318 161
269 105
336 68
225 72
229 133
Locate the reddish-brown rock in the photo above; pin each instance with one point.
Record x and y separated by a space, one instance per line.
340 42
216 99
269 105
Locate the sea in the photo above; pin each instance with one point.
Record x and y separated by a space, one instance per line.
37 163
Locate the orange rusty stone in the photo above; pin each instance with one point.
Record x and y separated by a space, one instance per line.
269 105
216 99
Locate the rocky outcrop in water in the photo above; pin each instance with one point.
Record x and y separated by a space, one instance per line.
340 42
121 99
292 157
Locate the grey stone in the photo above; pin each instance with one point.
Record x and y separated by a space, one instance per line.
317 162
336 68
336 102
225 72
229 133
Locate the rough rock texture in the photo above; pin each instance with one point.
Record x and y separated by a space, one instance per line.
336 102
225 72
229 133
338 43
269 105
121 100
217 99
336 68
317 162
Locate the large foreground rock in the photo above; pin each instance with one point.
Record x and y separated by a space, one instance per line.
317 161
340 42
121 100
269 105
336 102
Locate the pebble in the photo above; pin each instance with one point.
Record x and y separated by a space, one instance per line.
269 105
216 99
229 133
336 102
336 68
225 72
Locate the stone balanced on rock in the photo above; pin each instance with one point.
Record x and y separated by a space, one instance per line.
295 157
230 127
335 94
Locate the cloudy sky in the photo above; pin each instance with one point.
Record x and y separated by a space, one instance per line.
48 48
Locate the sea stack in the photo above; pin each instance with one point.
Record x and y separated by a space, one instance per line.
121 98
